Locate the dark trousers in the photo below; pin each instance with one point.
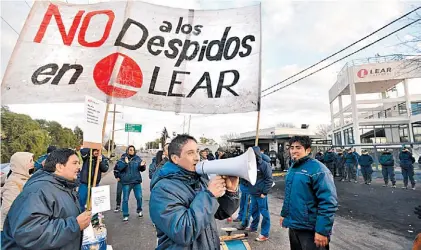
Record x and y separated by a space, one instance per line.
303 240
388 172
366 171
118 195
331 167
408 173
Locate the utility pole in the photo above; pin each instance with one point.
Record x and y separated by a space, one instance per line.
188 130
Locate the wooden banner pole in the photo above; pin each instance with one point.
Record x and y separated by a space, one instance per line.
89 179
100 152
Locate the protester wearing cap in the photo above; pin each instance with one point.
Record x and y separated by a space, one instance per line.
365 162
351 161
388 169
406 162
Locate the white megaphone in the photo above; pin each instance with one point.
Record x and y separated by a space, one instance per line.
243 166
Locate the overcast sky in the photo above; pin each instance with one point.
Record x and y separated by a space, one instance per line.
296 34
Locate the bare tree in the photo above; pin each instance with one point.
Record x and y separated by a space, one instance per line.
225 140
323 130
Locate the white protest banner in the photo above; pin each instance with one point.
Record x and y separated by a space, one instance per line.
100 199
94 119
138 54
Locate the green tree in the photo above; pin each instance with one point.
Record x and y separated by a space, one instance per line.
79 133
20 133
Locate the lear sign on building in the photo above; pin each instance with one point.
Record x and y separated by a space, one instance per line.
138 54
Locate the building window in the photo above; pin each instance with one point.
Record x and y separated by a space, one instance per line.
416 130
349 136
338 138
403 133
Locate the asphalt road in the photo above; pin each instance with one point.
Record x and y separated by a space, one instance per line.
368 218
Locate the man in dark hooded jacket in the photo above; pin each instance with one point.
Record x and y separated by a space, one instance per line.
258 195
330 159
365 161
84 173
46 214
388 168
406 162
184 205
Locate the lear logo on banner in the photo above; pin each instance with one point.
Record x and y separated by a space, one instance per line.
129 76
362 73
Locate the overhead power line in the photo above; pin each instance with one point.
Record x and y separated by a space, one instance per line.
9 25
347 47
340 59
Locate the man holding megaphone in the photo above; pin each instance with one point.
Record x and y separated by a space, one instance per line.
184 204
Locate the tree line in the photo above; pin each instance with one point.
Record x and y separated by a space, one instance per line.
20 132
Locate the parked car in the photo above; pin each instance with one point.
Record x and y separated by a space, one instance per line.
5 168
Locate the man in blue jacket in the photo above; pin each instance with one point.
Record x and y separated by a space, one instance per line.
184 205
310 199
84 173
365 162
388 168
329 160
351 164
258 196
406 162
46 214
129 166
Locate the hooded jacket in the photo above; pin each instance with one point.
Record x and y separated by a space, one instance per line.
184 211
84 173
19 165
44 215
386 159
406 159
365 160
264 179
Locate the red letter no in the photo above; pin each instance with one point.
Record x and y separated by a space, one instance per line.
69 37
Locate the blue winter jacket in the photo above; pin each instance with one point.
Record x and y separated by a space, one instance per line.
319 156
340 160
365 160
265 157
184 212
329 157
130 172
406 159
103 167
386 159
264 179
310 197
43 216
38 163
351 158
152 168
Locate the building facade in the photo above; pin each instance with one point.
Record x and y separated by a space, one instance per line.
371 102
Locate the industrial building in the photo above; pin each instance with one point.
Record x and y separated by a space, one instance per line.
375 101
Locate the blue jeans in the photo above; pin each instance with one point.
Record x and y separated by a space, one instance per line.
245 216
243 206
408 173
137 189
259 206
83 195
